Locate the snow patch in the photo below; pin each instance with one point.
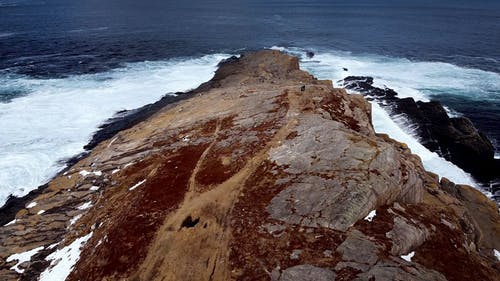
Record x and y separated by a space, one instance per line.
497 254
85 206
94 188
10 223
137 184
52 246
23 257
85 173
111 142
63 260
74 219
40 212
128 164
115 171
408 257
31 205
371 215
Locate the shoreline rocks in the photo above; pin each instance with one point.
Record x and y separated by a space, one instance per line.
253 178
454 138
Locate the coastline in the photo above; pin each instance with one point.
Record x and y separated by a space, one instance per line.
456 139
121 121
267 161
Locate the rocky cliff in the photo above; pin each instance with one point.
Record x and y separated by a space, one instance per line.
454 138
265 173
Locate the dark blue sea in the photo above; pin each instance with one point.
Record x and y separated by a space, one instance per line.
66 66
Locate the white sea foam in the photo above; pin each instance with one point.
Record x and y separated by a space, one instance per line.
89 29
58 116
419 80
6 34
383 123
410 79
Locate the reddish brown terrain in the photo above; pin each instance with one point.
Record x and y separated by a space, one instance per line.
256 178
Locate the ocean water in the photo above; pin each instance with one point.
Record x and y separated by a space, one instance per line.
55 118
326 66
66 66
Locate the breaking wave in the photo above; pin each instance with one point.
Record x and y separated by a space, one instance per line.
46 120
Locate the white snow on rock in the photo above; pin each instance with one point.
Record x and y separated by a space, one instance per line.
111 142
51 246
63 260
94 188
497 254
31 205
371 215
128 164
40 212
74 219
11 222
115 171
23 257
408 257
85 173
85 206
137 184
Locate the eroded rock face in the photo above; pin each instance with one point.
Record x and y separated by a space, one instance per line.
264 174
454 138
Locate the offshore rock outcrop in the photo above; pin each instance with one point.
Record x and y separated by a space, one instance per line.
454 138
266 173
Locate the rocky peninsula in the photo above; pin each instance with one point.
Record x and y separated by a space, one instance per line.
263 173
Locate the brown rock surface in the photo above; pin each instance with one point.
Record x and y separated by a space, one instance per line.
255 179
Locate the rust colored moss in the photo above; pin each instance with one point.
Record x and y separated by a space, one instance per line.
231 143
444 251
142 213
255 251
382 223
333 104
347 274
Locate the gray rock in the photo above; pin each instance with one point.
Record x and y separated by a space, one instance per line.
339 184
295 255
405 236
388 270
350 249
306 272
